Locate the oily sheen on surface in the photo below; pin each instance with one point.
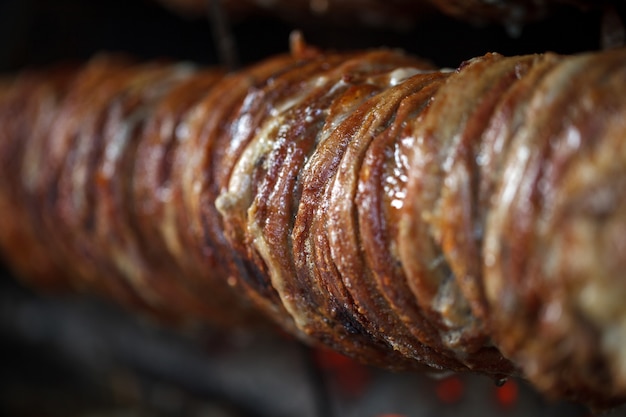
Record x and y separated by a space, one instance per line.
410 217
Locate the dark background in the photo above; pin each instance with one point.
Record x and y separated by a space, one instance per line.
36 32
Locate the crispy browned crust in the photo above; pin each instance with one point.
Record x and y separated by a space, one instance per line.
468 220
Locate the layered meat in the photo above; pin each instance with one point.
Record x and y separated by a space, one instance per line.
410 217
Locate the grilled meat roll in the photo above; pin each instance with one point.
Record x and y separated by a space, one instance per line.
410 217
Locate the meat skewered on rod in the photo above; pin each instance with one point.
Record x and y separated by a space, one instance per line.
412 218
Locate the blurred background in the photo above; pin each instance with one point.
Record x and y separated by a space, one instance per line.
35 32
63 355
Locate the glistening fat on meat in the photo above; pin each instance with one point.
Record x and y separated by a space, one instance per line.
412 218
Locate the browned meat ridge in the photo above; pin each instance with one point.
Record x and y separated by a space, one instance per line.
412 218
